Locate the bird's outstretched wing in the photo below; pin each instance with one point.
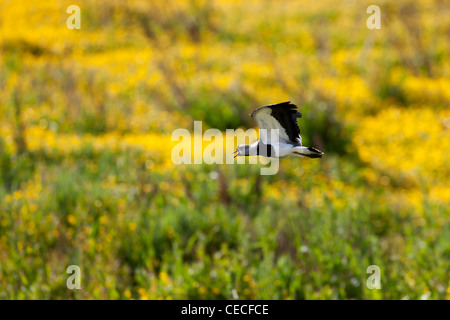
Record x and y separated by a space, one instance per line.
282 116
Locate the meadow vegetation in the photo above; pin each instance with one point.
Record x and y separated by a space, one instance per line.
86 176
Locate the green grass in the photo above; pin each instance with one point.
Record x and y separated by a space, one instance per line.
133 225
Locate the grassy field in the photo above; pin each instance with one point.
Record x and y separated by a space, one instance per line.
87 179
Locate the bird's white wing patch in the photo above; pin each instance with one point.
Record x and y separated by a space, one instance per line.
267 122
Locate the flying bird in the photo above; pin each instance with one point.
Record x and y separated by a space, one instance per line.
288 142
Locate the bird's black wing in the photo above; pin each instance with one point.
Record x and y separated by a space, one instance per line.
282 116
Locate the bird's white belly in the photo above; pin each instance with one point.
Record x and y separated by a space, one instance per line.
284 149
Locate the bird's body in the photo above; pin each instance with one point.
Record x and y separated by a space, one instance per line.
279 134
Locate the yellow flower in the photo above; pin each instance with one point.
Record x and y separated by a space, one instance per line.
132 226
142 294
103 219
164 278
71 219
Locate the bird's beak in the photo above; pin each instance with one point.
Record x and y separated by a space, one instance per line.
235 153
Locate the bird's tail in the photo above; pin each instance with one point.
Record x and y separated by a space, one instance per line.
309 152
